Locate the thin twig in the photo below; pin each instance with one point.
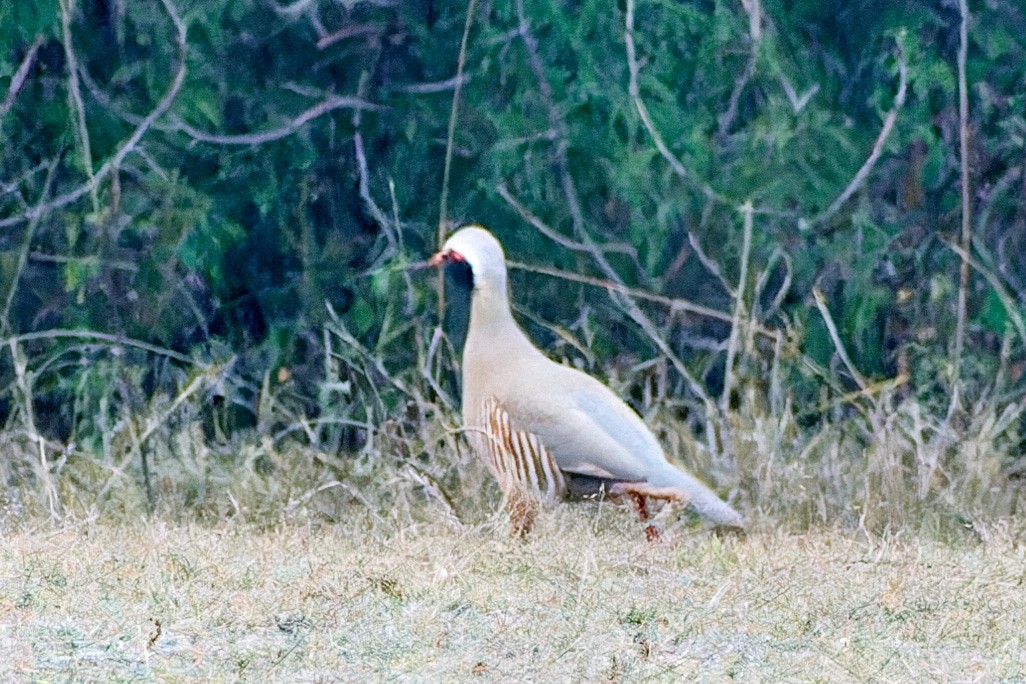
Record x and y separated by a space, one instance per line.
24 379
286 129
130 144
836 337
871 390
198 383
327 105
967 230
434 86
797 101
754 10
364 172
776 393
1013 311
635 92
350 31
450 137
26 245
672 303
100 337
740 315
105 100
85 260
339 329
559 238
18 80
295 9
763 281
878 146
13 187
709 264
75 95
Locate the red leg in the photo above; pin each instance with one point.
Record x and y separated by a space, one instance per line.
651 532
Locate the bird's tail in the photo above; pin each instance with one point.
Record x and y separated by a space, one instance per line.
702 499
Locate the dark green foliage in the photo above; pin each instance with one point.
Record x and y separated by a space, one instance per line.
233 232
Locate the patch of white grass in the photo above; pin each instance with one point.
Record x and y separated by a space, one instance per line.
584 599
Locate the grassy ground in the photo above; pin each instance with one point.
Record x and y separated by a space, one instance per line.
585 599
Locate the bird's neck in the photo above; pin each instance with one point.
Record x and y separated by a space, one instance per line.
492 323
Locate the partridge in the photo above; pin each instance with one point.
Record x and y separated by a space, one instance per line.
548 431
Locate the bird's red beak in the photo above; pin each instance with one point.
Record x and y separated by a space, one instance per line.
446 256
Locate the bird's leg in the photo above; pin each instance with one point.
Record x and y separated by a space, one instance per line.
523 509
651 531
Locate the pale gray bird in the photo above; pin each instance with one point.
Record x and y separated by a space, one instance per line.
546 430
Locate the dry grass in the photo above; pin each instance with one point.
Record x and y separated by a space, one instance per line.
585 599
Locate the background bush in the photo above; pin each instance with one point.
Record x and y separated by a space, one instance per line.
211 216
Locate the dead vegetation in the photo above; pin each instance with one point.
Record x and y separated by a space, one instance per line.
584 599
302 508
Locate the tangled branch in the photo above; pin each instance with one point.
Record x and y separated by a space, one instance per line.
130 144
885 132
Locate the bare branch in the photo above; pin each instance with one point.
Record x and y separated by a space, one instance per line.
450 137
129 145
328 104
18 80
99 337
797 101
672 303
556 237
878 146
295 9
967 228
836 338
364 175
349 31
754 10
785 287
434 86
709 264
740 314
290 127
75 95
635 92
26 245
1007 300
153 423
105 100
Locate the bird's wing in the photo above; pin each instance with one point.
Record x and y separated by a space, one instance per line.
588 429
519 458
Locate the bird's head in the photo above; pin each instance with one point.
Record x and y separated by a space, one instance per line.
480 251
